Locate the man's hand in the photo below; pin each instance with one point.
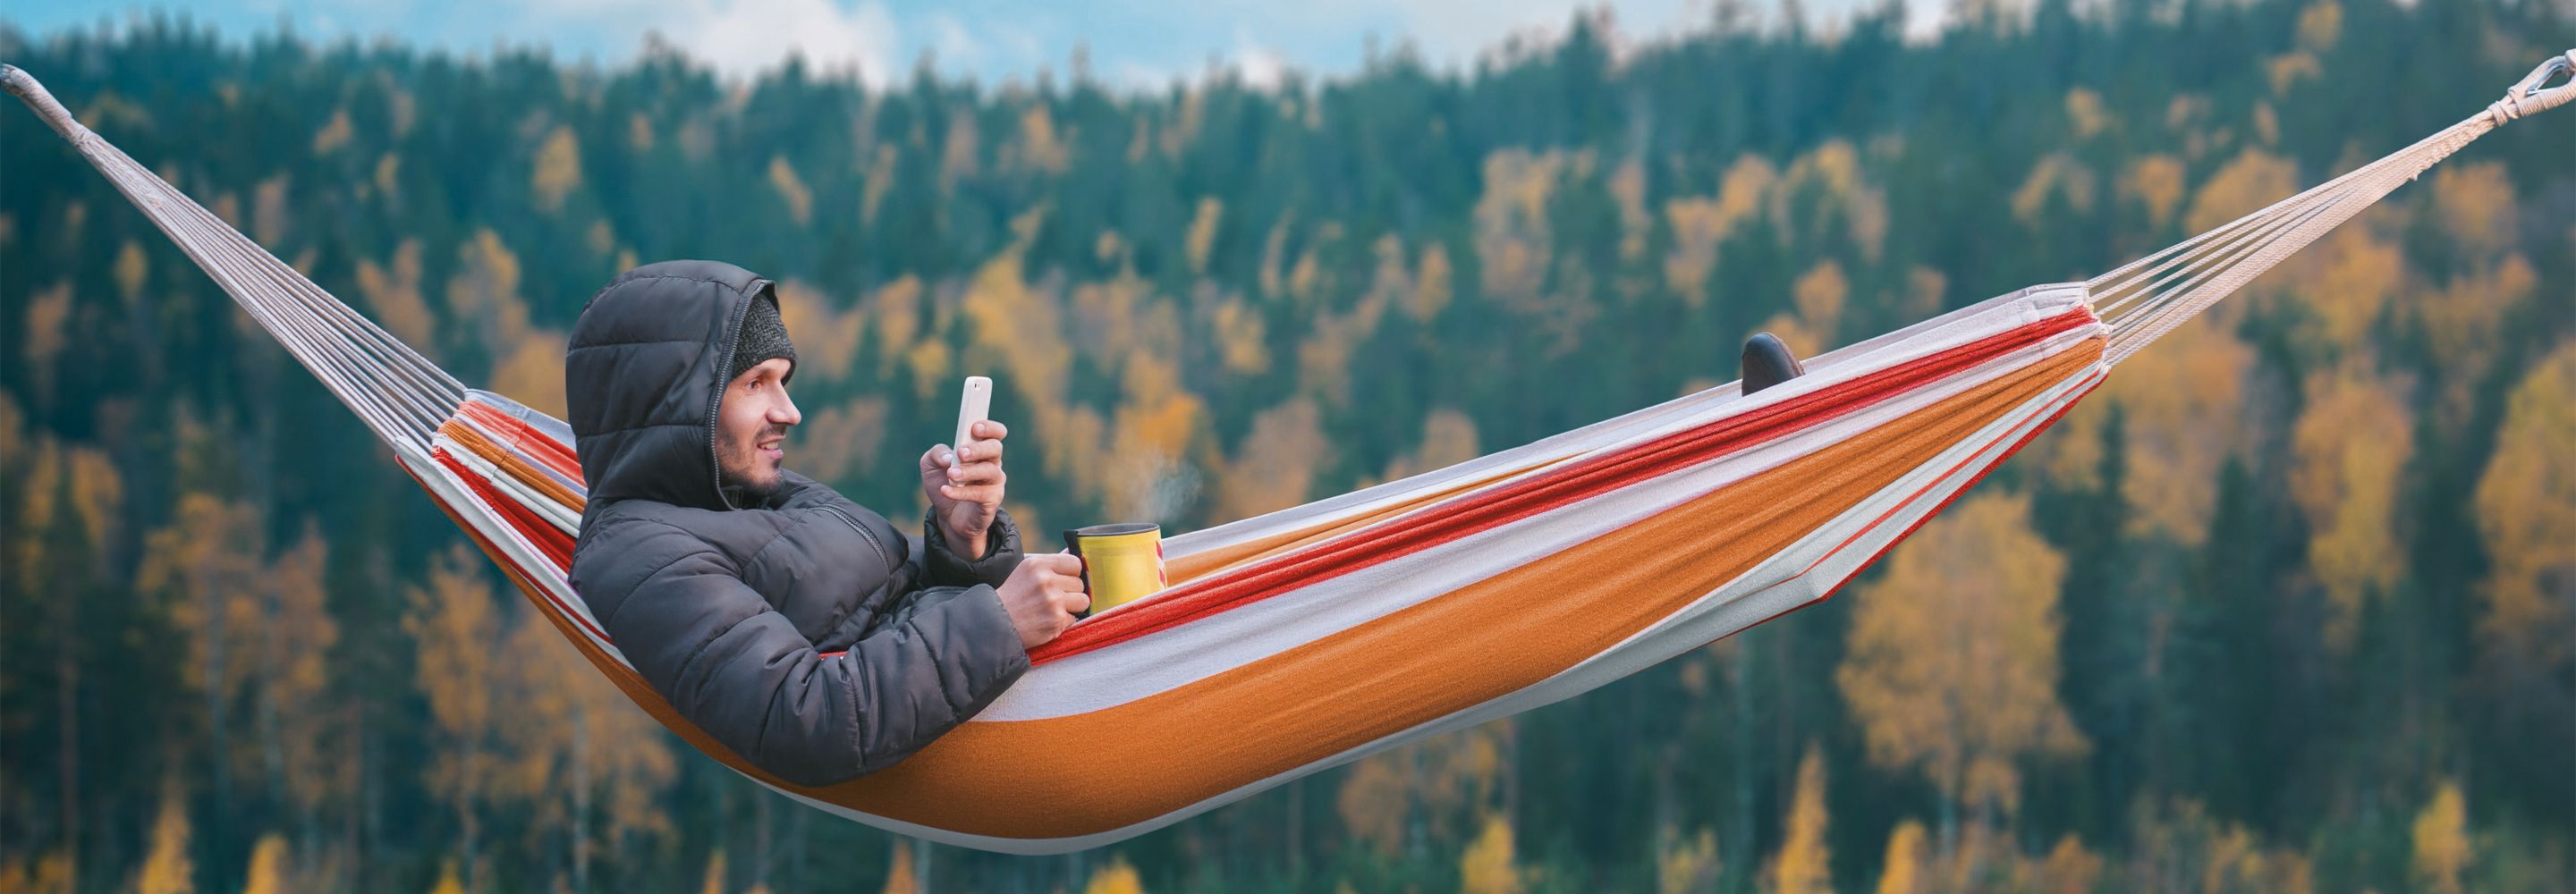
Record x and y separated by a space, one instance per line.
1042 596
965 487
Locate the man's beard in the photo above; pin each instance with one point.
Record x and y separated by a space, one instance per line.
742 467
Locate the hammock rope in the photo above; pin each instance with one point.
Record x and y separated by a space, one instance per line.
1309 637
2148 297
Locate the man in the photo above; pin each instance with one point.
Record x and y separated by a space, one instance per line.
795 627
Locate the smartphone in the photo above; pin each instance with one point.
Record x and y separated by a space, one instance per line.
977 404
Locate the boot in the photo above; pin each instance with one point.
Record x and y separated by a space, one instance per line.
1767 362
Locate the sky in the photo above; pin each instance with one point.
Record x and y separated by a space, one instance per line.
1130 43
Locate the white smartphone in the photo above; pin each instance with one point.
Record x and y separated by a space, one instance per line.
973 409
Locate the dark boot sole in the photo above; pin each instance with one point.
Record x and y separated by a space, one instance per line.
1767 362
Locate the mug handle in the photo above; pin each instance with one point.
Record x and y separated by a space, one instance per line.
1073 544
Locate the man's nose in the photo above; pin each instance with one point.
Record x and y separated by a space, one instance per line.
784 412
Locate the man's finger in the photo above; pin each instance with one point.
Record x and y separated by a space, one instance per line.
989 429
977 473
1074 603
980 493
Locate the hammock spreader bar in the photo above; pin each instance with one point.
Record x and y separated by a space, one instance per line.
1312 636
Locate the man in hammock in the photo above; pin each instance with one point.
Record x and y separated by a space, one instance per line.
797 628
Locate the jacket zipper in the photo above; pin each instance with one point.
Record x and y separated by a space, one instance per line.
882 557
732 327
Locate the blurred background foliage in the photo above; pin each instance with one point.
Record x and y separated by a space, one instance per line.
2290 604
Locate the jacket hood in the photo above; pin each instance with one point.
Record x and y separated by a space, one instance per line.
643 373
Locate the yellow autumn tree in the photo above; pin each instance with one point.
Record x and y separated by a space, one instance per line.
1488 867
2178 846
1804 865
842 440
1515 245
448 882
205 567
44 334
131 270
1831 177
1951 664
1448 438
2155 182
1118 877
49 873
393 295
2252 180
454 622
530 370
1701 224
558 169
901 879
1688 865
2182 405
827 339
791 190
2070 868
527 362
2347 450
2057 175
1431 283
2442 840
267 867
1274 466
1445 783
1905 872
2476 207
167 867
2346 280
2526 516
589 764
295 633
1373 800
1155 422
713 880
1818 296
1201 239
2462 321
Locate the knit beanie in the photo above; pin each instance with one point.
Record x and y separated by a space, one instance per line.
763 336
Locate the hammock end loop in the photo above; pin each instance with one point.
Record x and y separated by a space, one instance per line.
24 86
2533 93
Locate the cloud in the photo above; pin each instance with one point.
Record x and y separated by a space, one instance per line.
744 37
1261 67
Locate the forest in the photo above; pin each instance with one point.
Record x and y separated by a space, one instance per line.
2288 605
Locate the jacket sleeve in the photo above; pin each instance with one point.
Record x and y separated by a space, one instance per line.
739 670
943 566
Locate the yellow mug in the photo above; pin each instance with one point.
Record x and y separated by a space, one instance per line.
1121 563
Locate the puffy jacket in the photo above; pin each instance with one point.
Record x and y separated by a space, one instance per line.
802 631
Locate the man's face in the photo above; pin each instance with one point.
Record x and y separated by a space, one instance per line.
751 427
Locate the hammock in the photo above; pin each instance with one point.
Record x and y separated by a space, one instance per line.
1312 636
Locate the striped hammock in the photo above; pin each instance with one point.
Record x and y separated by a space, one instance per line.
1310 637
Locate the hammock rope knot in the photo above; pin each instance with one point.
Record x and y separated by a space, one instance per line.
2529 95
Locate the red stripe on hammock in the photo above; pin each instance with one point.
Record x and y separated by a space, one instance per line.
537 445
1554 488
548 539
